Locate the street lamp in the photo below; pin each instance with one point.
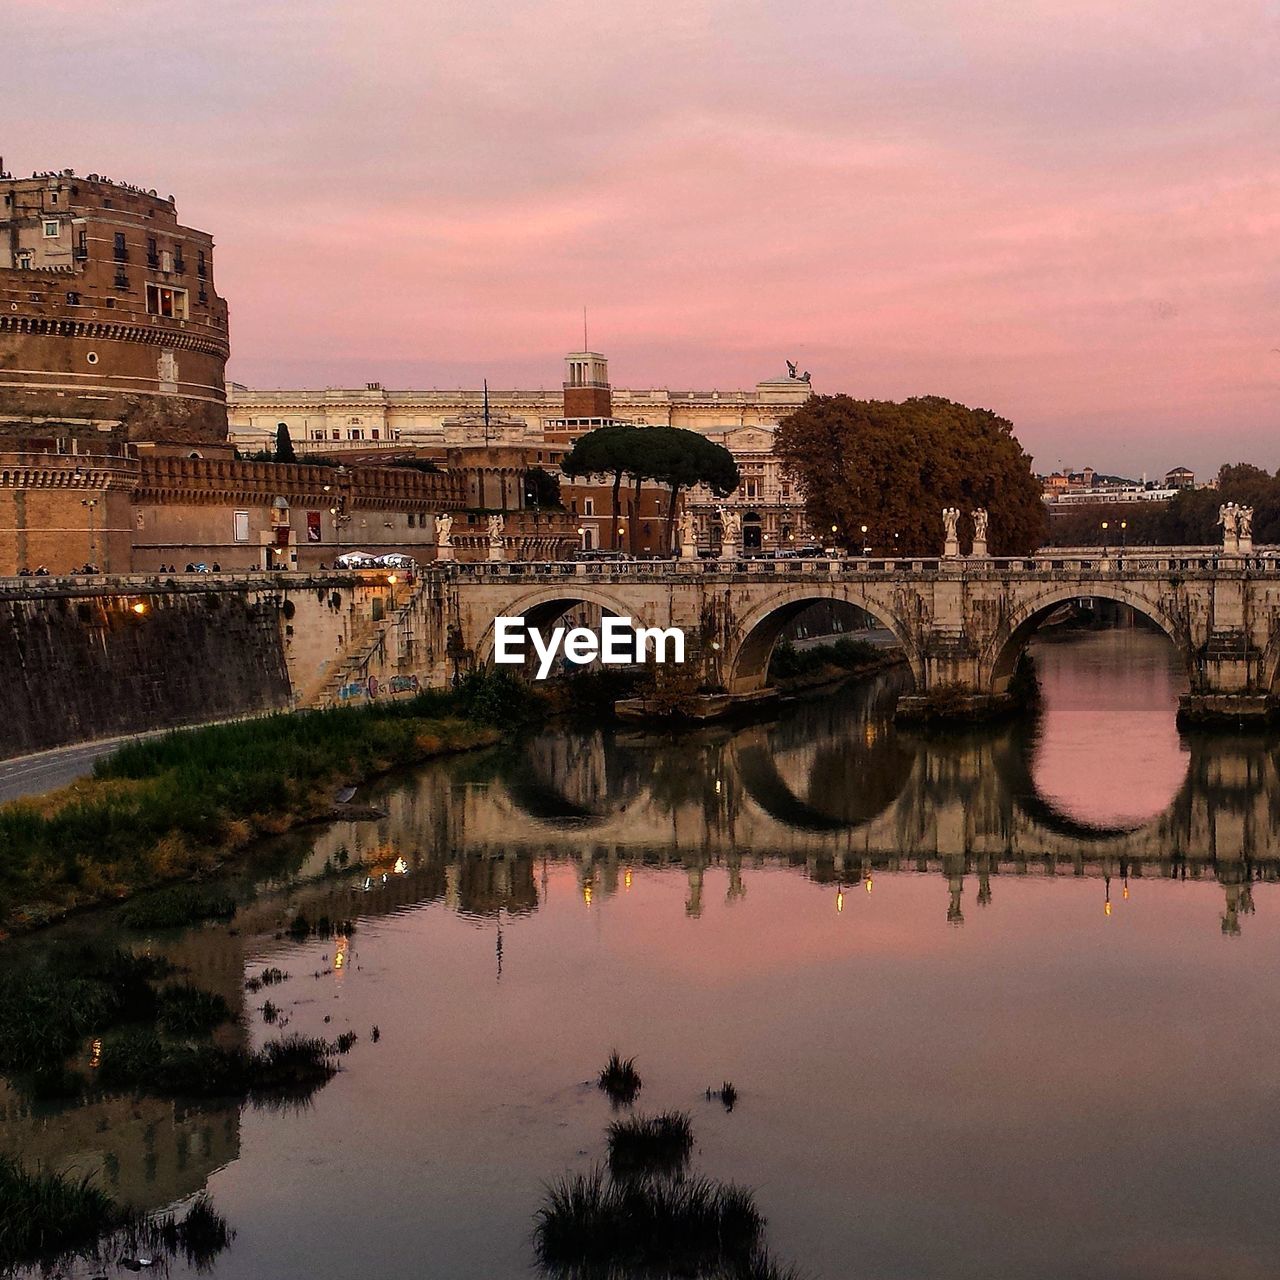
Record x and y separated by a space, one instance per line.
866 550
1105 527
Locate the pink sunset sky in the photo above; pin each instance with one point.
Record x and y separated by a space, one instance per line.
1064 210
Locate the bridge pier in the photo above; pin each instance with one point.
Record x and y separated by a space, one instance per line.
1208 709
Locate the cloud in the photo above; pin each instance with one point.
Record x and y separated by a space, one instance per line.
1066 211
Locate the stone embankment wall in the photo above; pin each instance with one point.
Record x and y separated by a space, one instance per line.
87 658
92 667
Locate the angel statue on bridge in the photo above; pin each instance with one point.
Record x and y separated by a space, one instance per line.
496 526
950 522
688 529
980 525
1244 522
444 530
1229 519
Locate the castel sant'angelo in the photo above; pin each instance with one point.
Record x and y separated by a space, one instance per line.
113 414
111 324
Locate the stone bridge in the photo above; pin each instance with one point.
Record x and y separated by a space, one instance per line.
961 622
97 655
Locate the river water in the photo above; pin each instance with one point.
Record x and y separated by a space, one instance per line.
996 1004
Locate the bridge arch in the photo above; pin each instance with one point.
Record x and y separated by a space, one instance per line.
1007 646
752 640
543 606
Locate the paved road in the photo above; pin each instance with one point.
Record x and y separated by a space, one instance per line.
49 770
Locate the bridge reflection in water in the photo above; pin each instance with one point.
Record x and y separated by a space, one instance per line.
831 788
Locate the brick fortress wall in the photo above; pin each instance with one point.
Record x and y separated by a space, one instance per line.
110 326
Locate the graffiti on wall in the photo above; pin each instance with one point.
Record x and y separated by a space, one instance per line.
371 686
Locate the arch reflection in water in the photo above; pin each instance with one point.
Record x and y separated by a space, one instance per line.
1105 747
830 787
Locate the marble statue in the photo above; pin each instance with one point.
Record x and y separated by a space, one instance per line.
979 525
496 526
1244 522
688 529
731 522
950 521
444 529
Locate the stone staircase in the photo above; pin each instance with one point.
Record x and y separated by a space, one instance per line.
353 663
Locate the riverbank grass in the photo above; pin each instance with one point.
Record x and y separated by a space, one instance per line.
174 807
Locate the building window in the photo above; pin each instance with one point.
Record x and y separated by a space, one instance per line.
356 433
121 281
153 255
317 435
82 245
73 298
588 506
24 260
170 303
52 230
118 250
179 263
373 435
337 435
202 269
240 526
53 197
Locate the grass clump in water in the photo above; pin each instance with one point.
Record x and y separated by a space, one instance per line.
620 1079
591 1226
185 1010
643 1146
47 1218
293 1067
267 978
726 1093
43 1214
177 908
199 1235
46 1012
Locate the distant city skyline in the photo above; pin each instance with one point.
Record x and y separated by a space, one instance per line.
1066 213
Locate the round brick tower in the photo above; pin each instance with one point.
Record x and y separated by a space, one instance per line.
110 327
